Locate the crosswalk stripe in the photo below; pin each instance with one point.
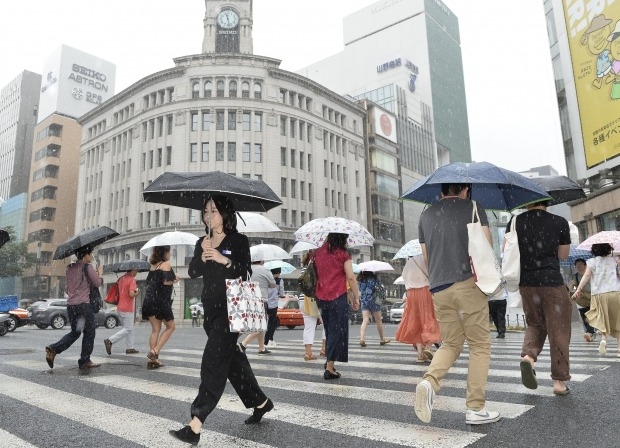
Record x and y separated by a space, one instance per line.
144 429
9 439
348 424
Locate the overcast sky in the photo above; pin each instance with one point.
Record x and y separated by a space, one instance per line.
512 110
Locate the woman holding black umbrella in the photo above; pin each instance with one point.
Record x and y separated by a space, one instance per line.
225 253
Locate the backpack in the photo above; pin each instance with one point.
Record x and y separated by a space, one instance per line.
308 280
113 294
380 293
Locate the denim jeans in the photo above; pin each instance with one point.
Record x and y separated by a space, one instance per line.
82 319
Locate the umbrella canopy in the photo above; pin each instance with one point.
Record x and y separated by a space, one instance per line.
316 231
86 238
254 222
560 188
189 190
356 268
493 187
375 266
129 265
399 281
266 252
575 254
411 249
606 236
197 307
286 268
301 247
4 237
174 238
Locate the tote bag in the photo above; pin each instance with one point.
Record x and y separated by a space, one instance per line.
511 262
484 266
246 308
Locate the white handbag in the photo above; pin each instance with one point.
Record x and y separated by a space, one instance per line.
484 266
511 261
246 308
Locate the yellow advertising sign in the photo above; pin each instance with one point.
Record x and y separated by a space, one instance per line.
594 41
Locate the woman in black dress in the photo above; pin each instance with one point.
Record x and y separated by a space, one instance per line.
224 254
157 306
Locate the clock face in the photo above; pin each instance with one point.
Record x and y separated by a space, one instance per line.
227 19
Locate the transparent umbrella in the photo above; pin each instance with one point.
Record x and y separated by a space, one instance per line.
174 238
248 222
286 268
375 266
266 252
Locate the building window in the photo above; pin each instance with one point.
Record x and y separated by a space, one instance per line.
193 151
47 192
50 171
169 124
219 151
346 202
293 124
247 117
220 88
257 90
283 125
357 178
160 129
293 188
258 152
232 89
194 121
160 156
258 122
309 162
208 87
283 183
232 151
293 157
301 160
282 156
150 162
245 89
293 218
195 89
283 217
49 151
206 120
326 196
245 152
302 218
232 120
344 174
302 193
325 168
219 120
310 195
168 155
43 214
205 151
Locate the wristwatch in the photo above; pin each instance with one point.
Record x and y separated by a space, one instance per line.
227 265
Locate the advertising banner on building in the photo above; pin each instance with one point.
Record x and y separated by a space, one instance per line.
385 124
594 40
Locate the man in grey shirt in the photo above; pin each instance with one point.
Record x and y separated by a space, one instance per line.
461 309
265 280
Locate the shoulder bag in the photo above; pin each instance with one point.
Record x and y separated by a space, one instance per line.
484 265
246 307
308 279
511 261
112 295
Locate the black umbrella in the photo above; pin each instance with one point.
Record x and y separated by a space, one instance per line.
92 238
129 265
560 188
4 237
189 190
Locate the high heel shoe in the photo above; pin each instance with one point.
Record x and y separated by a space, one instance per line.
185 434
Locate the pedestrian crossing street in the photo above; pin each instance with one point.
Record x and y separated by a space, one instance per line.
124 404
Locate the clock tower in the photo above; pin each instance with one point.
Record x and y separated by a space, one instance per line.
228 27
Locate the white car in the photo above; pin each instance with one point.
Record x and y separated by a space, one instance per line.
396 312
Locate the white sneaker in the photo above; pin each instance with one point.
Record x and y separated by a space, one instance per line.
272 344
481 417
424 397
602 347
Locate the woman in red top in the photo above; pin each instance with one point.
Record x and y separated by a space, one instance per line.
334 270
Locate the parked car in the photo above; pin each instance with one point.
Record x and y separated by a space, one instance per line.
18 317
289 314
396 312
53 312
4 323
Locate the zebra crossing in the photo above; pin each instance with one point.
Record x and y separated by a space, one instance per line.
371 403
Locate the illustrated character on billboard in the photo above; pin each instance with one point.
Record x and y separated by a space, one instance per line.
595 38
614 48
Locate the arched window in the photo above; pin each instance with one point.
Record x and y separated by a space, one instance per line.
208 88
232 89
220 88
195 89
257 90
245 89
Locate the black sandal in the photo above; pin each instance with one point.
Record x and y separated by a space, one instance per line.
528 375
327 375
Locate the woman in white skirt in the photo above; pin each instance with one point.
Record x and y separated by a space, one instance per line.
604 312
311 313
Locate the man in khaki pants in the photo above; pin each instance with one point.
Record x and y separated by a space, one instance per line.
461 309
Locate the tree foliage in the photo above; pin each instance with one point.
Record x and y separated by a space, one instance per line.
14 257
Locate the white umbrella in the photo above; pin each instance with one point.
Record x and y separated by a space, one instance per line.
301 247
606 236
196 306
286 268
266 252
399 281
316 231
375 266
356 268
411 249
248 222
174 238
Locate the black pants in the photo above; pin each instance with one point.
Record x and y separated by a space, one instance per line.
497 311
82 319
272 324
589 328
222 359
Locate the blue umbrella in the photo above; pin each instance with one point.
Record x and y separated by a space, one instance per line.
493 187
575 254
286 268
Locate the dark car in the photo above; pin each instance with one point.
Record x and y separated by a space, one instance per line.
18 318
53 312
4 323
